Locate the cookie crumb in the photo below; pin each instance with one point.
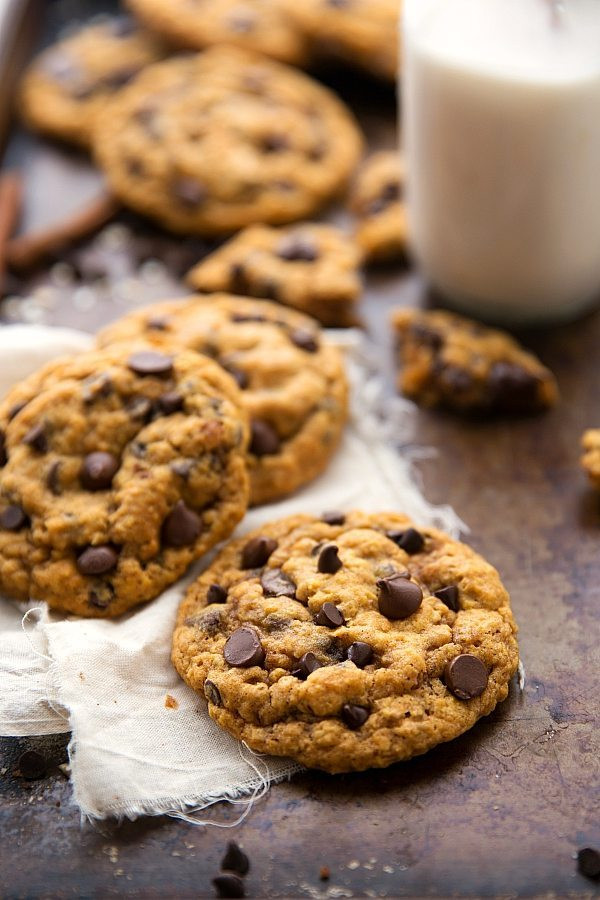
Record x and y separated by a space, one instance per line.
171 702
324 873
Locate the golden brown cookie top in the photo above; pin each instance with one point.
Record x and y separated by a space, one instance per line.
118 469
214 141
345 642
451 361
292 379
65 87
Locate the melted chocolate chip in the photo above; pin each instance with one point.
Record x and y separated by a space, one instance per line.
229 885
182 526
150 362
354 716
257 552
13 518
32 765
97 560
329 562
243 649
333 517
398 597
216 594
238 375
449 596
512 388
170 403
410 540
53 478
276 583
455 380
306 665
147 117
360 654
588 862
274 143
96 387
36 438
15 410
303 339
297 248
466 676
330 616
120 77
427 336
98 470
264 440
235 860
189 192
158 323
212 694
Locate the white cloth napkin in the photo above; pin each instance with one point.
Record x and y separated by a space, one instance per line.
142 741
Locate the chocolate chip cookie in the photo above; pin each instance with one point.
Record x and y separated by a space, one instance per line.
311 267
291 378
377 202
347 642
118 468
260 25
211 142
591 457
450 361
65 86
361 32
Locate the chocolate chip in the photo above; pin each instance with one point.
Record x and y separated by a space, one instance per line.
212 693
276 583
333 517
182 468
170 403
32 765
455 380
427 336
466 676
158 323
95 387
98 470
15 410
512 388
189 192
449 596
36 438
588 862
330 616
120 77
257 551
229 885
399 598
150 362
303 339
296 248
139 408
53 478
264 440
216 594
274 143
235 860
329 562
13 518
182 526
360 654
410 540
244 649
139 449
238 374
354 716
101 596
3 453
306 665
97 560
146 116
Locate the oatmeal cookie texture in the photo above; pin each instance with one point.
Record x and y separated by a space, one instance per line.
312 267
591 457
346 642
292 381
363 32
67 85
211 142
377 202
118 469
449 361
260 25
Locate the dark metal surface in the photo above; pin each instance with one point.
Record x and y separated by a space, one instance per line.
497 813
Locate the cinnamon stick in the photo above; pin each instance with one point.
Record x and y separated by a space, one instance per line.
29 250
11 195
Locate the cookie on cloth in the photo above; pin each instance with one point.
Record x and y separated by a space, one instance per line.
362 32
312 267
211 142
292 380
118 469
347 642
377 202
450 361
591 457
65 87
259 25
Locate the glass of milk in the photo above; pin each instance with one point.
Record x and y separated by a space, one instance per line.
501 133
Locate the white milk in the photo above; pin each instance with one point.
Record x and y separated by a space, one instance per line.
501 128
